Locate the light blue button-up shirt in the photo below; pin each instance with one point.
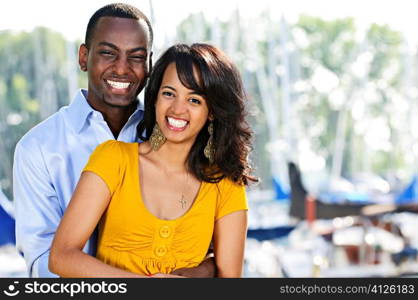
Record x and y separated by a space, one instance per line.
47 166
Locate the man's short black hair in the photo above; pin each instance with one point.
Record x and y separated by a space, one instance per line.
117 10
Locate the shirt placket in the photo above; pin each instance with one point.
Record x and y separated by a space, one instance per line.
163 234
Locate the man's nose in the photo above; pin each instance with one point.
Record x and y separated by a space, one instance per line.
121 66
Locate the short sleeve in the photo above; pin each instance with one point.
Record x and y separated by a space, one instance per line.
106 162
232 198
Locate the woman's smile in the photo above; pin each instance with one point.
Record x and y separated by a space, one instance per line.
176 124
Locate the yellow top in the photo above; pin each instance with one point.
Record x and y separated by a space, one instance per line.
132 238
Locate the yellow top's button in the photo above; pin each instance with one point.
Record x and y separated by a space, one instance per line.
165 231
160 251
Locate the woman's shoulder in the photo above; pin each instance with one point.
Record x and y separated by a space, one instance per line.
115 150
144 148
226 184
115 146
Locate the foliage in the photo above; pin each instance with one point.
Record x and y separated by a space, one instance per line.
33 85
350 89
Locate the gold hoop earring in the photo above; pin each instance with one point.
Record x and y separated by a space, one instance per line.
209 150
157 138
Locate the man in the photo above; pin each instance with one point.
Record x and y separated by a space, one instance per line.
49 158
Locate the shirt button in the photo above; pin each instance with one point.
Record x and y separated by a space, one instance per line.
165 231
160 251
98 116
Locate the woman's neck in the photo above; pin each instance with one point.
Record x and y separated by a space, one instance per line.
171 156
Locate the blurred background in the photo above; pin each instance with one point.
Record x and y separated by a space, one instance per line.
333 102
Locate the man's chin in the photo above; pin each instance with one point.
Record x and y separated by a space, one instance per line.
121 102
118 104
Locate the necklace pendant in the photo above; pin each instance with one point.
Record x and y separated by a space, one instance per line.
183 202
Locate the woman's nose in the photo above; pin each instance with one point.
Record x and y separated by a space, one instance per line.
179 106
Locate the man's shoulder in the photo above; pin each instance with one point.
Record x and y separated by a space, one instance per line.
44 132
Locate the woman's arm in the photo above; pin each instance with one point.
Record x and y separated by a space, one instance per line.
90 199
229 243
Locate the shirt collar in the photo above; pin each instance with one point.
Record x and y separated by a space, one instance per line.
80 110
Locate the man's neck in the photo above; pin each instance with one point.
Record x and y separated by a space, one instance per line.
116 118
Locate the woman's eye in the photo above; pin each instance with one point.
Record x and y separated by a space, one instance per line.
195 101
168 94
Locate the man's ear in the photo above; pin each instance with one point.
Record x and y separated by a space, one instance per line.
83 53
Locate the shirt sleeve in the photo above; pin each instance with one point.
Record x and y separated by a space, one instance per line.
37 209
232 198
106 162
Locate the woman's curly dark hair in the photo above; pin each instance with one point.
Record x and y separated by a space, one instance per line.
221 84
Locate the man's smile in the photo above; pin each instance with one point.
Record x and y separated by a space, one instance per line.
118 84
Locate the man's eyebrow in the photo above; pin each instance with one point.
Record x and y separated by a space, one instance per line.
137 49
117 48
108 45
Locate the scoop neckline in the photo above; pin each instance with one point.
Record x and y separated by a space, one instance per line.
141 198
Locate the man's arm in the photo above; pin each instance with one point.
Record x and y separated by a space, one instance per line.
37 209
206 269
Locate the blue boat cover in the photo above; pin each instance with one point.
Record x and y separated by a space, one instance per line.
410 193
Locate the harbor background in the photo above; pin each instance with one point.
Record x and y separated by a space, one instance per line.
333 89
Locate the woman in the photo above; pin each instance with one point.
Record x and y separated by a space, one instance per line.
160 203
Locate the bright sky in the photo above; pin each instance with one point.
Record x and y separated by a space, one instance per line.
71 17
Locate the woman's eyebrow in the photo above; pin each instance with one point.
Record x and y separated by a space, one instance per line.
190 93
168 87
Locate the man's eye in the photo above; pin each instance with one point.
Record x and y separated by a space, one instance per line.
106 53
137 58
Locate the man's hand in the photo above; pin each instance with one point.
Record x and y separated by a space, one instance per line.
206 269
162 275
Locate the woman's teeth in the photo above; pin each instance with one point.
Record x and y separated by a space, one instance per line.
177 123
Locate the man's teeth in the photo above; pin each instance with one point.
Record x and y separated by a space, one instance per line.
117 84
176 123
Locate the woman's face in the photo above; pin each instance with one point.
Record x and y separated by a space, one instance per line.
180 112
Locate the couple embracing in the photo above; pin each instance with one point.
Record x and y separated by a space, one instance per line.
108 188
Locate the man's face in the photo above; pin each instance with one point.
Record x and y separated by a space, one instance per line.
117 62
